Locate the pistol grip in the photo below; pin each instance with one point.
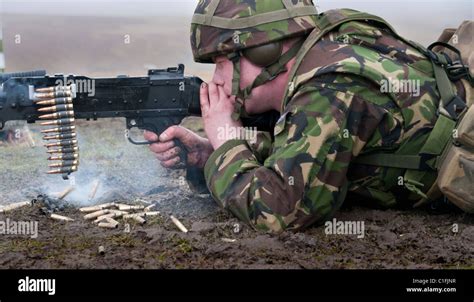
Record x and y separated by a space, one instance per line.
183 154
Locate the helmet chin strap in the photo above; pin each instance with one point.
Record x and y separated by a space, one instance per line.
268 74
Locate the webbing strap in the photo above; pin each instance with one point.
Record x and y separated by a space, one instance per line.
268 73
252 21
390 160
326 24
450 103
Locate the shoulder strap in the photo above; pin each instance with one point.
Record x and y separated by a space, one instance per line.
325 23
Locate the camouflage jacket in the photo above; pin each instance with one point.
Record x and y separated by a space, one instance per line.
343 103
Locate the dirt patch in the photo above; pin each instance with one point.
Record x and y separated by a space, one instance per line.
421 241
392 238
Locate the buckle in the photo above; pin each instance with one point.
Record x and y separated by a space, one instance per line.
455 107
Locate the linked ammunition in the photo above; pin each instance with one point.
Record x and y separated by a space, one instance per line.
51 95
14 206
179 224
57 115
62 218
63 170
62 143
66 163
64 150
52 89
56 108
59 129
66 191
67 156
56 101
60 122
60 136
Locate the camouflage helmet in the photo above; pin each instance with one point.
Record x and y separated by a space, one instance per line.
227 26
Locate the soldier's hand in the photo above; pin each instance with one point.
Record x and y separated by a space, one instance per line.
217 108
198 149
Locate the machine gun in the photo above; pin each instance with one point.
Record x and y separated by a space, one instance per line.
153 102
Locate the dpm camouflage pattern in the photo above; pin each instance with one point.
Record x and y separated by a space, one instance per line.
208 41
336 111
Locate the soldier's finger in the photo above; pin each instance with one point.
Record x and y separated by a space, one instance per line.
213 93
171 162
222 93
161 147
204 98
150 136
169 133
169 154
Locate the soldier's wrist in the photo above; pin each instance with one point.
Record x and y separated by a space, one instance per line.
224 148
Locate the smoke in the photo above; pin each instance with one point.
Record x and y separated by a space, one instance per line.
124 171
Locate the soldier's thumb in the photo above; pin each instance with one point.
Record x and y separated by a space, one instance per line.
173 132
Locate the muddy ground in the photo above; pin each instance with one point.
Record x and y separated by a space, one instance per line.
393 238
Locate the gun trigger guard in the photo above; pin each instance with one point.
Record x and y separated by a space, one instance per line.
130 139
141 142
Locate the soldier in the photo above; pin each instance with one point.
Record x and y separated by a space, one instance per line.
358 105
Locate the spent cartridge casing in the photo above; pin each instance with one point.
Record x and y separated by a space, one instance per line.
96 214
14 206
126 207
60 217
65 192
109 223
95 186
103 217
97 207
179 224
101 250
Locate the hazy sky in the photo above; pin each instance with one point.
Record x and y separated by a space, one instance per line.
420 20
421 8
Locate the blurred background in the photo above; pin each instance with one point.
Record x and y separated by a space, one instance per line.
107 38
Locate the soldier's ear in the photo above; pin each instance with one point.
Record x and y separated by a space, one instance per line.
264 55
